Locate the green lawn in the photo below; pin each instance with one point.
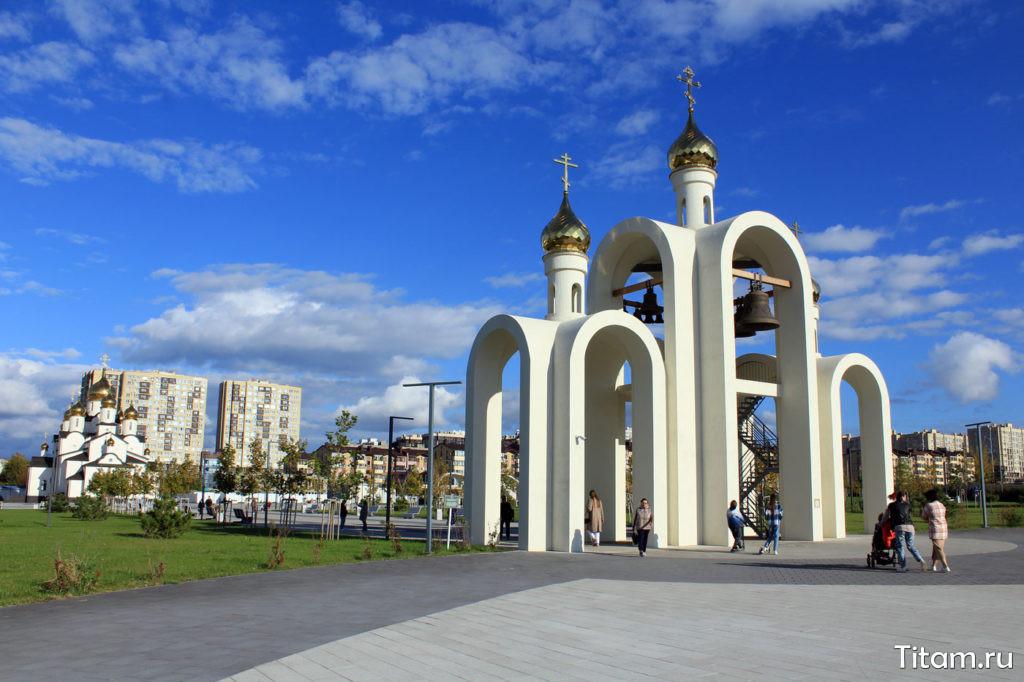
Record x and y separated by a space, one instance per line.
855 520
125 558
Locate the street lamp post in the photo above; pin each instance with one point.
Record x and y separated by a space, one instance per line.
430 454
391 441
981 455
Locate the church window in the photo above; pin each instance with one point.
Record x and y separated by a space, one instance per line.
707 210
577 298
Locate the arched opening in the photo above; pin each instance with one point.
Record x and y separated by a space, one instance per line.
494 404
551 299
577 298
709 217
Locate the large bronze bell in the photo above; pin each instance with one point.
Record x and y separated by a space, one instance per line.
650 310
756 312
740 331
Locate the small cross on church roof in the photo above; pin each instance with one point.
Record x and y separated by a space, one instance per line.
563 161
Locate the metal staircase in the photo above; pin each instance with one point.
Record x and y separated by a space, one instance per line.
759 457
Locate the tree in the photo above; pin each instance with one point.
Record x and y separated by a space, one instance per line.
413 483
225 478
254 477
165 520
441 480
293 478
15 471
338 438
180 478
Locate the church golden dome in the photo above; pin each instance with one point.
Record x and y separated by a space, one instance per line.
77 410
99 390
692 149
109 401
565 232
131 413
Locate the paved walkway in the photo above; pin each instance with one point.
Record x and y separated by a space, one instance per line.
815 610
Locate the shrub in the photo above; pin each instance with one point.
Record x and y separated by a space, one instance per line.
401 505
72 574
1012 493
165 520
90 508
59 503
1012 517
275 555
956 515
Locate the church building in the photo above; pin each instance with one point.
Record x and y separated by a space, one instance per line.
672 357
92 438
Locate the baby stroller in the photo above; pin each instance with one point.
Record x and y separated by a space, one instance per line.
882 552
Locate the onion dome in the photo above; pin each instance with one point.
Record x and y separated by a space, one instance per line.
130 413
109 401
77 410
815 290
692 149
67 413
565 232
99 390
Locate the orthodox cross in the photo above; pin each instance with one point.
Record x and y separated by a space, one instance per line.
796 229
690 83
564 162
104 359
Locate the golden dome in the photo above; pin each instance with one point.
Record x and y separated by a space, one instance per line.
67 413
130 413
692 149
99 390
565 231
77 410
109 401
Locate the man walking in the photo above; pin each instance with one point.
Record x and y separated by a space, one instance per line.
364 512
507 514
736 524
898 515
773 515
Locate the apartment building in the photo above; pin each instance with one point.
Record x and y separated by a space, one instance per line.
1004 447
931 440
171 407
258 409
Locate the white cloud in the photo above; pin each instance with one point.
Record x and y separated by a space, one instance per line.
397 399
891 32
47 154
998 98
627 164
38 65
638 122
419 70
14 26
240 64
33 393
841 238
513 279
74 103
92 20
924 209
355 18
977 244
965 366
73 237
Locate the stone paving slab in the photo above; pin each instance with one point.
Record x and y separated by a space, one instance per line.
634 630
211 629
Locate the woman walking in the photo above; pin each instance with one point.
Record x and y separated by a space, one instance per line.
594 518
773 515
643 522
935 514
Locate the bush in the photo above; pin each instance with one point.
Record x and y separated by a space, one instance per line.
956 515
59 503
90 508
71 574
166 520
401 506
1012 517
1013 494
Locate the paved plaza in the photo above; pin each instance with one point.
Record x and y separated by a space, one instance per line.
813 611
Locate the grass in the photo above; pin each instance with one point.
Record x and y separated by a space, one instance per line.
855 520
125 558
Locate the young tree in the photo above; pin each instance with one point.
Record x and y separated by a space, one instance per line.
15 471
339 437
225 478
293 479
254 477
413 483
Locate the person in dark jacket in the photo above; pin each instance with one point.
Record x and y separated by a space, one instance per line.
507 514
773 515
736 524
898 516
364 512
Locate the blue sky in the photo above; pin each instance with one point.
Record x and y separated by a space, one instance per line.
338 194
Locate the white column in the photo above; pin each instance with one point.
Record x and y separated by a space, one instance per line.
695 198
567 274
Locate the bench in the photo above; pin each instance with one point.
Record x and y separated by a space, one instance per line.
241 516
413 512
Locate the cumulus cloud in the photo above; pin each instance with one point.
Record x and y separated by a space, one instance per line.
627 164
92 20
355 18
638 122
397 399
966 366
842 238
513 279
38 65
925 209
977 244
33 393
43 155
241 65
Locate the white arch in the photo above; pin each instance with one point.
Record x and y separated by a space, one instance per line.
495 343
875 438
637 240
765 238
641 350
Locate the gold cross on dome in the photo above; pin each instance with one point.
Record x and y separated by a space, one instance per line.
796 229
104 359
690 84
563 161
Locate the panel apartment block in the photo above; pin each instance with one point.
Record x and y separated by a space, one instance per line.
257 409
